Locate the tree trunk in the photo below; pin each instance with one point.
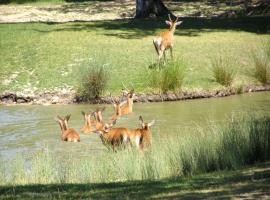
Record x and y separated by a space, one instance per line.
146 7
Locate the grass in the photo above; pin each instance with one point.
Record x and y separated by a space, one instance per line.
243 142
262 64
38 57
251 182
222 72
94 80
168 76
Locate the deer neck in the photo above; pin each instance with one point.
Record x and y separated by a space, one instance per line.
172 30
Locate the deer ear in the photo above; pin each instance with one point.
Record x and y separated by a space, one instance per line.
67 117
178 23
57 119
168 22
151 123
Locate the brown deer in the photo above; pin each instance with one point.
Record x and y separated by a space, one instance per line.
108 135
164 40
68 134
88 122
127 105
118 109
142 136
99 119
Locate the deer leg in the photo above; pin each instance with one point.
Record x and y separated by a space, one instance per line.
156 47
171 50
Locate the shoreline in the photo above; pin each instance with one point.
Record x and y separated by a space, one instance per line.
69 97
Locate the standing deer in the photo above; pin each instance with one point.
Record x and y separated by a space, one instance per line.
164 40
88 122
142 136
68 134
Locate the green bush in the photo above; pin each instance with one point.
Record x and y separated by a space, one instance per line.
168 77
94 80
223 73
262 65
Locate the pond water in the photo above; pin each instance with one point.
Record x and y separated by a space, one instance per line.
29 129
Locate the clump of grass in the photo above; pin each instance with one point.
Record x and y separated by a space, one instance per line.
262 65
94 80
222 72
244 141
168 77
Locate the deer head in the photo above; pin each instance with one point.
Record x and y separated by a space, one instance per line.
146 125
172 23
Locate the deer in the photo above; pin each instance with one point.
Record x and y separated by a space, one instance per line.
164 40
143 135
119 111
68 134
88 122
127 105
109 135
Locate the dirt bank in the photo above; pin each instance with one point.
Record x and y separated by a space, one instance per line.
70 97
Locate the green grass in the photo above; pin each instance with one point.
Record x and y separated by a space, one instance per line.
49 56
168 76
222 72
261 59
251 182
243 142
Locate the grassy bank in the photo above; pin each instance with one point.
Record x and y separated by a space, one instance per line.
250 182
40 57
245 141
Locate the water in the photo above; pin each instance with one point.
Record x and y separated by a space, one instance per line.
29 129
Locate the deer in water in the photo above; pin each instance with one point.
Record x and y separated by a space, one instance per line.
128 95
143 135
164 40
88 122
68 134
118 109
109 135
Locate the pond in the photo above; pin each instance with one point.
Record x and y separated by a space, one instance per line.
28 129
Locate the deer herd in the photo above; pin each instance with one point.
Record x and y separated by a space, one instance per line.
111 136
120 136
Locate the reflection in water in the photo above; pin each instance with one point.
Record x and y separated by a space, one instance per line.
29 129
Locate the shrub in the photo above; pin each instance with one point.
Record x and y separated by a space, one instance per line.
223 73
168 77
262 65
94 80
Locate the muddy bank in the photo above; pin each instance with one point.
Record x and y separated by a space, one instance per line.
70 97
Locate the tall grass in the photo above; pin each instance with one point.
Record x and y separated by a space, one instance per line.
168 77
223 73
94 80
262 65
243 142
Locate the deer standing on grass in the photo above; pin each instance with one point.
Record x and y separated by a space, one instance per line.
142 136
88 122
164 40
109 135
68 134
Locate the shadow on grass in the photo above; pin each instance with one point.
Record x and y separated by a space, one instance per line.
251 183
139 28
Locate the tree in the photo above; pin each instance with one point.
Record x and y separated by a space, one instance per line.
146 7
